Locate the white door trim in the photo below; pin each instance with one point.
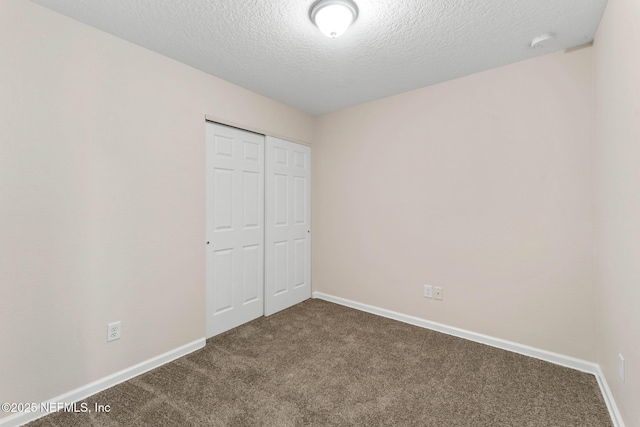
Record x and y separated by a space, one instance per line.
254 129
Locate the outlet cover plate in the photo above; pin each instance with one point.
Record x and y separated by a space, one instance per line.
428 291
113 331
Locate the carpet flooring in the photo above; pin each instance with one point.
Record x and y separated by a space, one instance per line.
321 364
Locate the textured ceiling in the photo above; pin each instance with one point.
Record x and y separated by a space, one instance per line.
271 46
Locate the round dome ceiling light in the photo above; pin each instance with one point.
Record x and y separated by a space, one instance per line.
333 17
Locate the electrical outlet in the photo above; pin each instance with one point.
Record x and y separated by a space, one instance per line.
621 367
113 331
438 293
428 291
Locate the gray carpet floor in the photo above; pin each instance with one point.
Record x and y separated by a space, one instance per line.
321 364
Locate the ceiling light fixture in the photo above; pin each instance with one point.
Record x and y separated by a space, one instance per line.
333 17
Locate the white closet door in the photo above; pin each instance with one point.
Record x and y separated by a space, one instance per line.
287 226
234 227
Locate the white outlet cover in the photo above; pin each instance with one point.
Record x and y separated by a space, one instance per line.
113 331
428 291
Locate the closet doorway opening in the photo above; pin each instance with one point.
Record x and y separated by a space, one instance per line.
258 233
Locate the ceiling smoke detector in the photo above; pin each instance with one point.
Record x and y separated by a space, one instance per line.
542 41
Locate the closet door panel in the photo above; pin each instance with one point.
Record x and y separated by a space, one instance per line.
287 224
234 227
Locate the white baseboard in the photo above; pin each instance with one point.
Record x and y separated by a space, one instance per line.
83 392
548 356
608 398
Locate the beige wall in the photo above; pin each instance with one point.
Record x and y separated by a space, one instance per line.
481 185
617 101
102 198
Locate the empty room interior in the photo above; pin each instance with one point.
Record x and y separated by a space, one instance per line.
216 212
